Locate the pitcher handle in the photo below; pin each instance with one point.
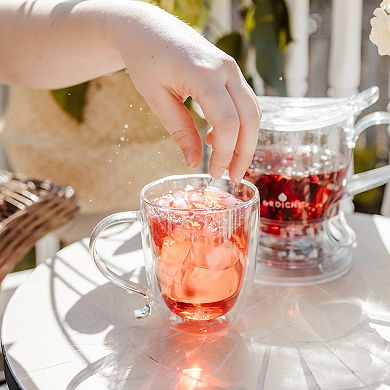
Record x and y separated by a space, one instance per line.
375 118
359 182
111 220
373 178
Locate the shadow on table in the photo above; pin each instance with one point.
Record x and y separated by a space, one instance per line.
147 354
337 318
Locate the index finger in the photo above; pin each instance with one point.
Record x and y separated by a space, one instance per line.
249 114
220 111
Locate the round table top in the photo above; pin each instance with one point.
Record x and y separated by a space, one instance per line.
67 327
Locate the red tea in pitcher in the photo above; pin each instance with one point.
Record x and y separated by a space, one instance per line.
297 185
201 256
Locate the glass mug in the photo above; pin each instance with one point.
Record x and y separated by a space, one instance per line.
199 262
301 168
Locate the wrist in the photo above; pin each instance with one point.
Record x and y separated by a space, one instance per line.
130 27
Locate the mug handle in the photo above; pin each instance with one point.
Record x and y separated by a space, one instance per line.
111 220
373 178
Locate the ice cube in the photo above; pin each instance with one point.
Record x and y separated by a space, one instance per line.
222 256
172 257
209 273
199 251
215 193
215 190
163 201
181 233
196 197
206 253
180 203
229 201
184 271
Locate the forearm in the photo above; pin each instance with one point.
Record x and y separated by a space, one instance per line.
51 44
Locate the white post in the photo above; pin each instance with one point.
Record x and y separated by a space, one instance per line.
221 18
258 83
297 54
345 56
345 53
386 196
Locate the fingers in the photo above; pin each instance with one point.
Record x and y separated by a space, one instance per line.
249 114
220 111
231 108
175 117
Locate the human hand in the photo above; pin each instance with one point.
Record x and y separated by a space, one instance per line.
169 61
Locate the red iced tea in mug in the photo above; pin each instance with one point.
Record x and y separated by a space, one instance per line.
296 185
201 256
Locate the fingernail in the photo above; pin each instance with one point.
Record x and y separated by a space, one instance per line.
236 178
218 172
190 159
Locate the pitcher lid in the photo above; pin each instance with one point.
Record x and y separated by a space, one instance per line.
296 117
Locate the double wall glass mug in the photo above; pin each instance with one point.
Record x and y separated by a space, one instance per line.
301 168
199 239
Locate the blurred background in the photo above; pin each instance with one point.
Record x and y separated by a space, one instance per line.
101 137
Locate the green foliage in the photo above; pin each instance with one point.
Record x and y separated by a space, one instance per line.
267 26
233 44
369 201
72 100
270 36
193 12
28 262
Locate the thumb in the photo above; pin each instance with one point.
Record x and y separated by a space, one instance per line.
178 121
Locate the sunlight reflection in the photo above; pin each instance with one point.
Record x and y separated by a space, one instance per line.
383 330
292 310
189 379
378 310
196 377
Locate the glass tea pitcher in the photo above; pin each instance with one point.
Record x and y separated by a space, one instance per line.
301 167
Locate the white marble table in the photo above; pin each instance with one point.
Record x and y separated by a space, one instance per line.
67 328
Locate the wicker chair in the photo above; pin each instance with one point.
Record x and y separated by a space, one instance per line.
29 209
